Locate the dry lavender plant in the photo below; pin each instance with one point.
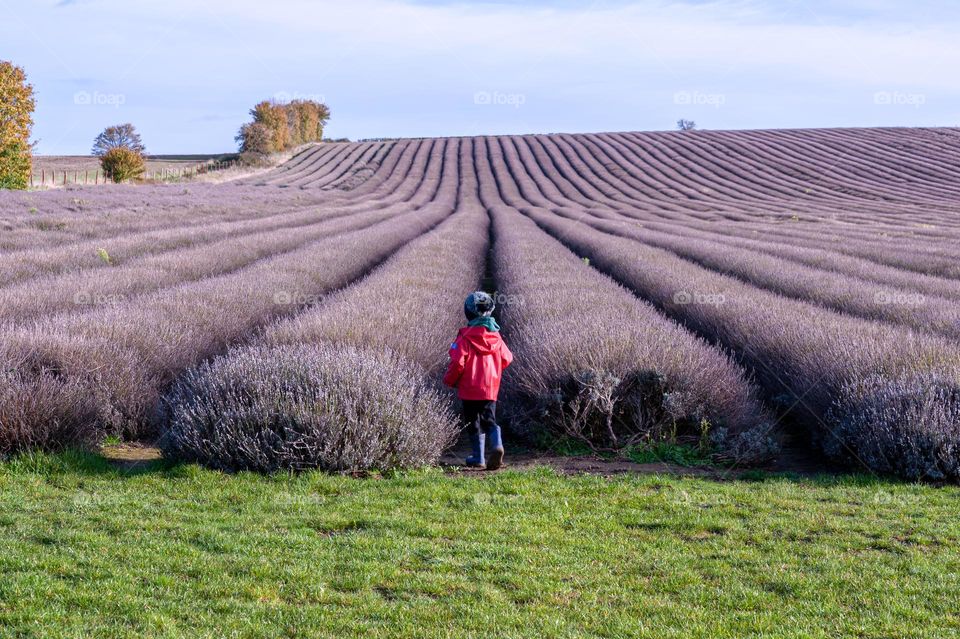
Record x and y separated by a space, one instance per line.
321 405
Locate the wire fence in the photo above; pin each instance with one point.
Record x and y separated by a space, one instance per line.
63 177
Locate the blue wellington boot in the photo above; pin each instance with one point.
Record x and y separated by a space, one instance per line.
496 448
476 440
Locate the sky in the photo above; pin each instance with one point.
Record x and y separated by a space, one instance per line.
186 72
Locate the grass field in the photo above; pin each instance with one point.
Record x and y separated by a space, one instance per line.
87 549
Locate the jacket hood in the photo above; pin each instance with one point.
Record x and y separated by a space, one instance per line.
484 341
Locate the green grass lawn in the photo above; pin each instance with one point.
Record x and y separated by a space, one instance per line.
89 551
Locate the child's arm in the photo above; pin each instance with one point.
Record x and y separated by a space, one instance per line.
458 360
506 356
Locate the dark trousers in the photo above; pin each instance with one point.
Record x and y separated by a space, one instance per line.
479 415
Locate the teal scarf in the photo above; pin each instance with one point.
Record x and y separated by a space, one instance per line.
487 322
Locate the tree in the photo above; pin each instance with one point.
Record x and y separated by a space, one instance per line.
306 120
301 120
16 121
686 125
280 127
121 136
274 117
255 137
15 166
122 164
323 116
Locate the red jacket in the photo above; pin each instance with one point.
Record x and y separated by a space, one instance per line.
477 360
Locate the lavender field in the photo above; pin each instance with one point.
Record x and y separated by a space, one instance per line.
744 289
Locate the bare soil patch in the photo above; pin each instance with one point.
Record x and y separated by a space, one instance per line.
794 460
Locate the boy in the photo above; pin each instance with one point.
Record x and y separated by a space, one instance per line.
477 360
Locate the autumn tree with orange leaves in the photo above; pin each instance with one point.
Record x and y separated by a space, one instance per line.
278 127
16 120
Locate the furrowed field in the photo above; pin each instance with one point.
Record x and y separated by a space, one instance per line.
727 297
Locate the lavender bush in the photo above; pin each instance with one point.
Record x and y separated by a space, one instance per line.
337 408
909 426
40 410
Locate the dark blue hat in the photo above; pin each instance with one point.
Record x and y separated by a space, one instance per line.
478 304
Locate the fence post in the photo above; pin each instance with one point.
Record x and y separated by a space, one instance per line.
43 177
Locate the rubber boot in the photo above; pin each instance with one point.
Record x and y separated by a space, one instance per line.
476 440
496 448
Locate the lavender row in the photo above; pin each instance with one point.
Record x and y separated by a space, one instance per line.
48 218
843 293
595 363
370 378
125 355
832 369
80 291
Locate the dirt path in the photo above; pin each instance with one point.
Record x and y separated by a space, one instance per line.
135 456
791 460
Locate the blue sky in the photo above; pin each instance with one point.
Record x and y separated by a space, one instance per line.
186 72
